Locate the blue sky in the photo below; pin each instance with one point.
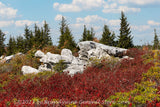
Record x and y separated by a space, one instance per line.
143 16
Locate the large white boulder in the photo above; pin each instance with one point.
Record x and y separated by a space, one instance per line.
90 45
29 70
53 58
73 69
87 45
66 52
39 53
67 55
8 58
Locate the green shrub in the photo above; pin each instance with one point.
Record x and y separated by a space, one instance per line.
59 67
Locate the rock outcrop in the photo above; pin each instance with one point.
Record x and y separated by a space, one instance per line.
29 70
88 49
7 59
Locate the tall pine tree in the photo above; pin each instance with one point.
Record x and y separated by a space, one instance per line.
11 48
28 38
2 45
84 35
125 38
20 44
46 34
69 42
107 37
66 39
88 35
156 41
62 31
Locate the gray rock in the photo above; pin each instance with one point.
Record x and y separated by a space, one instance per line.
45 67
66 52
9 58
39 54
29 70
73 69
89 45
53 58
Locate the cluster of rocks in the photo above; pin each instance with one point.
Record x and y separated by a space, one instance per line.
7 59
88 49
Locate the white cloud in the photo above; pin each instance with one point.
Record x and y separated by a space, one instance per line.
69 8
153 23
92 19
58 17
114 22
7 12
79 5
77 25
6 23
56 5
20 23
137 2
114 9
141 27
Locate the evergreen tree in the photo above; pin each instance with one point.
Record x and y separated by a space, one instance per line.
47 38
28 38
20 44
107 37
38 39
125 38
11 48
156 41
84 35
66 39
69 42
88 35
2 45
62 31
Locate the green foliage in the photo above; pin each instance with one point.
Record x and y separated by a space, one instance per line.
15 65
37 39
142 93
11 46
88 35
66 39
107 37
59 67
62 31
28 39
156 41
42 36
125 38
108 62
2 45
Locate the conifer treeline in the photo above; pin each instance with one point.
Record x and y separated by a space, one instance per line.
40 37
37 38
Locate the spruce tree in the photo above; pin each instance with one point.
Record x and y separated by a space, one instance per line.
20 44
66 39
107 37
84 35
46 35
156 41
125 38
62 31
28 38
2 45
88 35
11 48
69 42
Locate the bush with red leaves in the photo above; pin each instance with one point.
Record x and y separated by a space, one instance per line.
95 84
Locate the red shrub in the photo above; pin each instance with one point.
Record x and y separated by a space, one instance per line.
95 84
